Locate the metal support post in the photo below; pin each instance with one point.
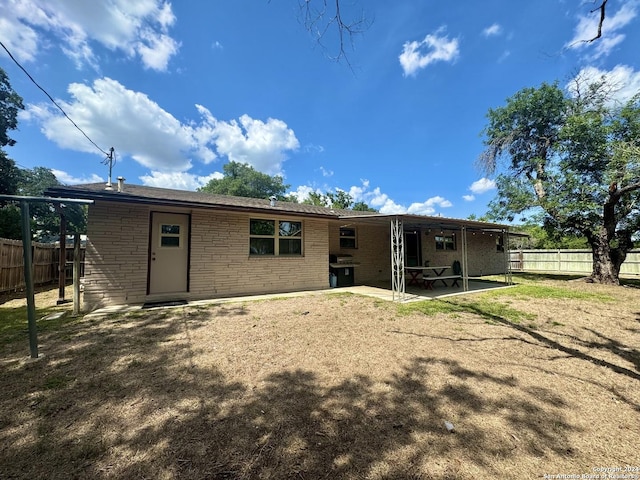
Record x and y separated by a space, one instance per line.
28 278
76 274
397 259
465 260
62 261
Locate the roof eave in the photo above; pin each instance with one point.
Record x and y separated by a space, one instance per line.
123 197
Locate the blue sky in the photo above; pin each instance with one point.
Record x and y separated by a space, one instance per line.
179 89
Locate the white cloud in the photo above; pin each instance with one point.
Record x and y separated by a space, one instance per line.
468 198
325 172
135 28
21 42
381 201
482 186
492 30
260 144
435 47
359 193
506 54
623 78
389 207
178 180
587 29
133 124
429 206
157 50
137 127
303 191
311 148
375 198
68 179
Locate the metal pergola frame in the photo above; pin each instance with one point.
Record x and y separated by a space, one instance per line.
25 220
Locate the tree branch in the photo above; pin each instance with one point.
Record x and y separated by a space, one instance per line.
626 189
318 19
602 9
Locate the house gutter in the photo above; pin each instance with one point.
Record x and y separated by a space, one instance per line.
129 198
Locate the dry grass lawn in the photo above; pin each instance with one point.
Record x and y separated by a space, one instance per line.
540 379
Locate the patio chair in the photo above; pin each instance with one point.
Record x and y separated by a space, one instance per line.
456 268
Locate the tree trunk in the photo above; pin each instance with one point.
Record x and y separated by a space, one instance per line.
606 261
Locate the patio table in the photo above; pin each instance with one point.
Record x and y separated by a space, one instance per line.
415 273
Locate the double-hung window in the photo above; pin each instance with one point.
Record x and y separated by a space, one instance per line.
445 242
348 238
275 237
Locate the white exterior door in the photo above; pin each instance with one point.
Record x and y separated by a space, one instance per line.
169 253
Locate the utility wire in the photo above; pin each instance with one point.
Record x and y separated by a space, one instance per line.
52 100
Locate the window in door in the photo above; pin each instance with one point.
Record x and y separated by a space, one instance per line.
169 235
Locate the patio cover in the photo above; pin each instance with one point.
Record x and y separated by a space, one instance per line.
398 223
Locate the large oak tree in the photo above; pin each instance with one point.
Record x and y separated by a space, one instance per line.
573 155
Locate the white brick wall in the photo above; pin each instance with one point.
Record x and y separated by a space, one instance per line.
220 264
116 255
482 255
373 252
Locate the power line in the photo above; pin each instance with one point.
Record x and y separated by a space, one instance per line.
52 100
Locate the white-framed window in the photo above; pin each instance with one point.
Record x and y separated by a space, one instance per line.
445 242
275 237
170 236
348 237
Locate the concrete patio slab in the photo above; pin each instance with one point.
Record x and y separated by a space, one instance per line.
382 292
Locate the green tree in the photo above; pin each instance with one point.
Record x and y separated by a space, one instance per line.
362 207
542 238
10 104
10 219
243 180
575 158
10 174
340 199
45 217
317 199
481 218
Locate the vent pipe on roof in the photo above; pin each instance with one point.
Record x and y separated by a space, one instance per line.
273 201
121 183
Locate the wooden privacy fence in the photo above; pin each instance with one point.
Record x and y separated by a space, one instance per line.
45 263
566 261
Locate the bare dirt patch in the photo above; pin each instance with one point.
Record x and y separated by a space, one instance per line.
332 386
